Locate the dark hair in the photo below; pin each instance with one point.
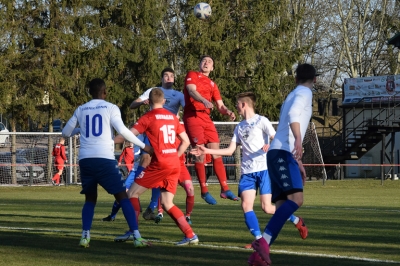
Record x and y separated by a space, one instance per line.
167 69
204 56
305 72
248 97
96 86
156 95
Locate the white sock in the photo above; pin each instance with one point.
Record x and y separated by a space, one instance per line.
85 233
258 237
267 237
136 234
296 221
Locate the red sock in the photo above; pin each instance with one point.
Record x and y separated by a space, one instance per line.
136 206
201 176
160 209
189 205
219 170
56 178
180 220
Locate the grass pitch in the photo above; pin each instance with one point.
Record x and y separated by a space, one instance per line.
351 222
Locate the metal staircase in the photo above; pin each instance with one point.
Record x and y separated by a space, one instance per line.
362 126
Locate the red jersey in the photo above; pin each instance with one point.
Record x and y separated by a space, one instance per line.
205 87
128 155
161 127
59 151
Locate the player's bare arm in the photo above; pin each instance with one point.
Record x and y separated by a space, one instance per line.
138 102
225 111
191 88
298 147
200 150
185 142
302 171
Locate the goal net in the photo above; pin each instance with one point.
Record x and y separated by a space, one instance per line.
312 157
26 158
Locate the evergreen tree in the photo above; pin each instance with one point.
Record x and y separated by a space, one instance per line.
247 40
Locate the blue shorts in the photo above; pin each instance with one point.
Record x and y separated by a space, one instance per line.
257 180
284 173
101 171
145 141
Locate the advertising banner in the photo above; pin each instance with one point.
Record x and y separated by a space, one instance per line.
371 89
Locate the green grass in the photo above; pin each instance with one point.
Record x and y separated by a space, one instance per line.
352 222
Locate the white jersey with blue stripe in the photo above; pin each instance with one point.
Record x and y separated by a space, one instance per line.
173 99
96 120
297 107
252 134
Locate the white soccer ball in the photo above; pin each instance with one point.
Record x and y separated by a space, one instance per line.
202 11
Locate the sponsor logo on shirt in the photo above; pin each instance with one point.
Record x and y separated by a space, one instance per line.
93 108
168 151
165 117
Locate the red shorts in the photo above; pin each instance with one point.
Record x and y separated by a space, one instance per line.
200 128
59 163
162 177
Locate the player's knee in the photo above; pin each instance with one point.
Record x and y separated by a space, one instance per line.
188 186
247 206
297 198
268 208
167 205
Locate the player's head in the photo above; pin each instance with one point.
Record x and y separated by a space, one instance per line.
206 64
62 140
167 78
245 99
305 73
97 88
156 97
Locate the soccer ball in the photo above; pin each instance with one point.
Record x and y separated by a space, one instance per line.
202 11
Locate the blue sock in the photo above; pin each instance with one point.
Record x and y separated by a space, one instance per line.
115 208
87 215
130 179
139 170
129 214
251 221
292 218
155 195
280 217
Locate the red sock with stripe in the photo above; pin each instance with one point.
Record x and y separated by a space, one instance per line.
180 220
201 176
189 205
136 206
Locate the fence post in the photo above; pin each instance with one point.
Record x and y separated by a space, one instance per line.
70 156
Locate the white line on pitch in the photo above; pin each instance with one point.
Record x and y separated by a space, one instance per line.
220 247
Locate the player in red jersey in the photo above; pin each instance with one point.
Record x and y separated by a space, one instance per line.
128 155
59 159
162 129
200 91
